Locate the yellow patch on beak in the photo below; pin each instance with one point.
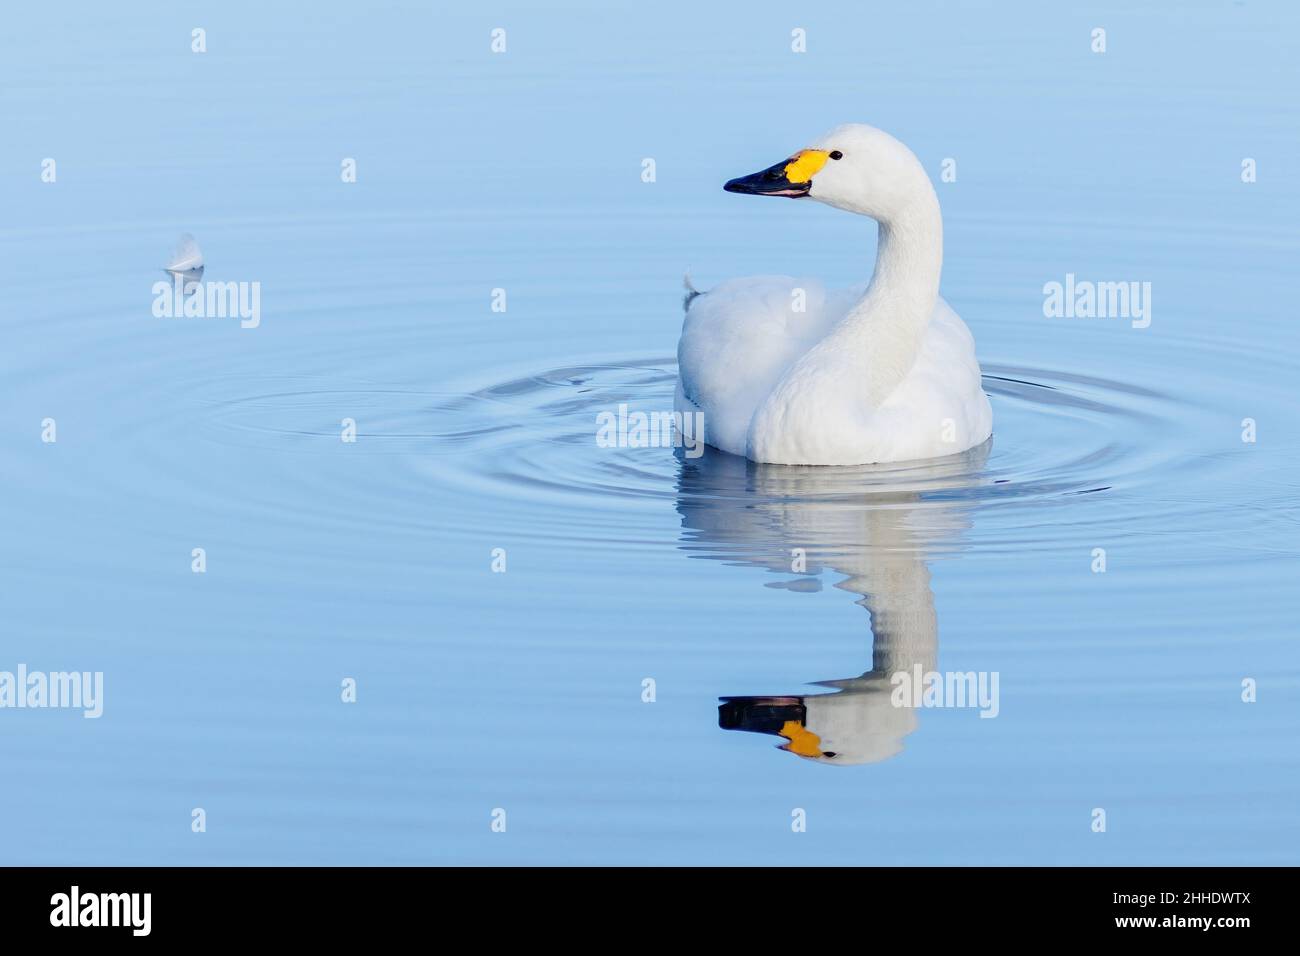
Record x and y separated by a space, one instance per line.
803 742
805 164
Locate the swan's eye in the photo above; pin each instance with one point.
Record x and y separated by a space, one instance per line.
836 154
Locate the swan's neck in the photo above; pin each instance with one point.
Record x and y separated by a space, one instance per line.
887 325
894 580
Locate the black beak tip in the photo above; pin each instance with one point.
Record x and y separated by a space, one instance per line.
762 715
770 182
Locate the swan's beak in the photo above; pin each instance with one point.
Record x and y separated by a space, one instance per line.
779 716
791 177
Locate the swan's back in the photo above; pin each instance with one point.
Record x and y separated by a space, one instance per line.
740 338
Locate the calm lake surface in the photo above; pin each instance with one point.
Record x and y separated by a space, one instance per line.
522 691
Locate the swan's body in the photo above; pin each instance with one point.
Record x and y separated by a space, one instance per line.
740 343
882 372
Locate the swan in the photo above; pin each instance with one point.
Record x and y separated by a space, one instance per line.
881 372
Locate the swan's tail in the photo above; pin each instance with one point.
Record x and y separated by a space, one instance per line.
691 292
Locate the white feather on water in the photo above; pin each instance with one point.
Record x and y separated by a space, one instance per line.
186 259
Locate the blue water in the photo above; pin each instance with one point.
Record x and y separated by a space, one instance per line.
522 690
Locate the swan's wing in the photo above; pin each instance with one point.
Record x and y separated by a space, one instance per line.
186 255
941 404
824 409
737 341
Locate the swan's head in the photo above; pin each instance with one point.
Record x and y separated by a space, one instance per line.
857 725
854 167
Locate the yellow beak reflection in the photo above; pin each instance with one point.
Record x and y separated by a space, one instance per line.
803 742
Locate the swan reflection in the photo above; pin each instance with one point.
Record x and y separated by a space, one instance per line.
877 526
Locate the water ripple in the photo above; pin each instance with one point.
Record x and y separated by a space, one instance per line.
527 442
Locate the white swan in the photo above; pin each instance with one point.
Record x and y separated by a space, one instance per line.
877 373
